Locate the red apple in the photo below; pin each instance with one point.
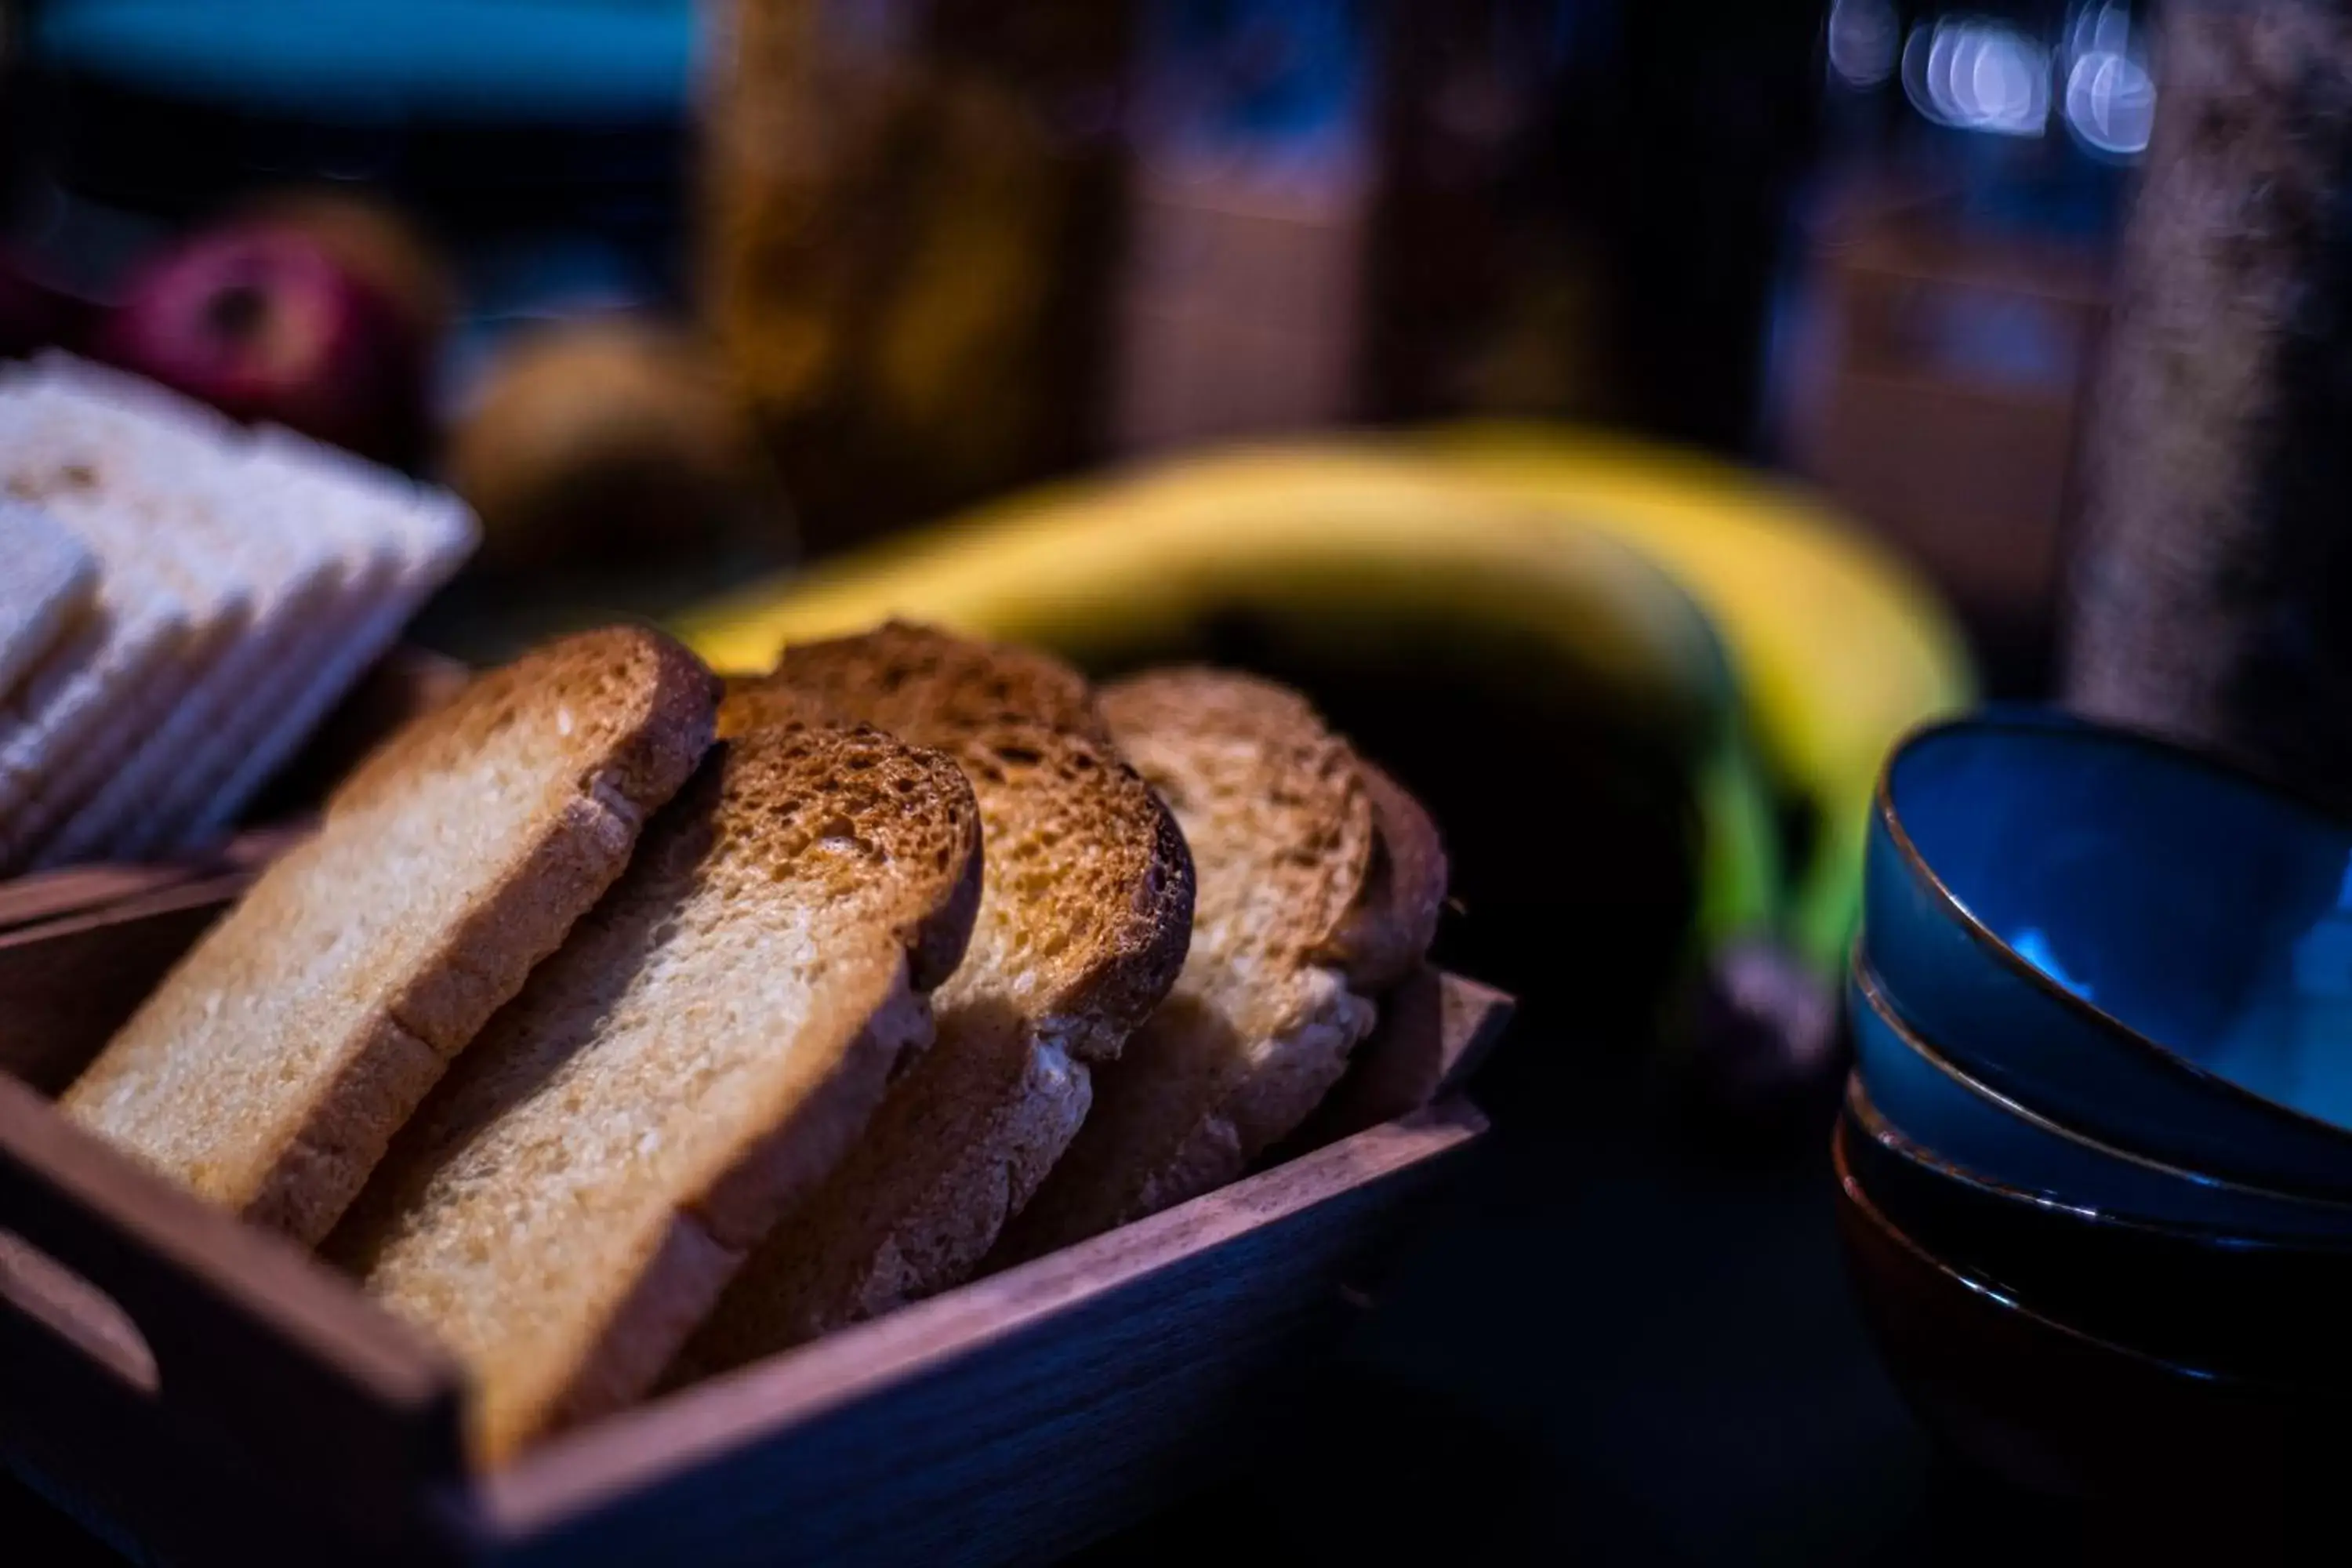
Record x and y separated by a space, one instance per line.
263 322
373 240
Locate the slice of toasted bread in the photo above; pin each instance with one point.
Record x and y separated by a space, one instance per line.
1319 884
1083 923
707 1044
278 1058
48 580
1387 930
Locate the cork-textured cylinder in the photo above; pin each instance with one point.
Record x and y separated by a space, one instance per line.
2211 590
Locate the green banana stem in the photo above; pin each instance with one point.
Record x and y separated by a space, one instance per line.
1740 890
1825 901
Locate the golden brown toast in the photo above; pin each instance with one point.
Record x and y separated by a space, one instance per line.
275 1061
1320 885
1084 917
701 1053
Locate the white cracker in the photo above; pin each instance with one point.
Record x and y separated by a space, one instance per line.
65 378
150 479
132 473
139 625
48 577
138 619
293 662
296 573
74 774
144 508
432 532
85 641
255 677
143 786
372 566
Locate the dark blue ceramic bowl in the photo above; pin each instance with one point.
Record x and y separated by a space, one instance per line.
2267 1307
2128 938
2051 1406
1938 1107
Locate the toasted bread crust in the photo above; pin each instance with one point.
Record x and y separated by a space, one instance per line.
1091 910
275 1063
1120 995
1320 880
1265 748
1027 730
1083 925
1389 927
709 1043
959 1143
760 702
917 680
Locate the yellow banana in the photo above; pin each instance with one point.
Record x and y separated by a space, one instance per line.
1352 538
1838 649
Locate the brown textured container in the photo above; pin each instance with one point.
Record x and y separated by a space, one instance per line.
909 225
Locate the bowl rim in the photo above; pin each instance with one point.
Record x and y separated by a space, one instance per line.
1864 979
2057 722
1869 1121
1858 1197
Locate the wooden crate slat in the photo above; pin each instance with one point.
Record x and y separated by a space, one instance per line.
1435 1029
49 895
259 1352
1017 1417
69 983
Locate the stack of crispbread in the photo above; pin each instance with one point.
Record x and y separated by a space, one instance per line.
182 600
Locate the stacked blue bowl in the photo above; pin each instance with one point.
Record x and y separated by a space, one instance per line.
2101 1115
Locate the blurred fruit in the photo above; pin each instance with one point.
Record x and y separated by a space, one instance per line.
264 322
1329 547
372 242
1838 649
609 440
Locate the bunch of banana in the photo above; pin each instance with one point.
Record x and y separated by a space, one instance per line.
1838 649
1525 626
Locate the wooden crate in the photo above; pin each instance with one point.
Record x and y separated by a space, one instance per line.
198 1389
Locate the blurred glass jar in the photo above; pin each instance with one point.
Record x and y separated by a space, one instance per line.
910 209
